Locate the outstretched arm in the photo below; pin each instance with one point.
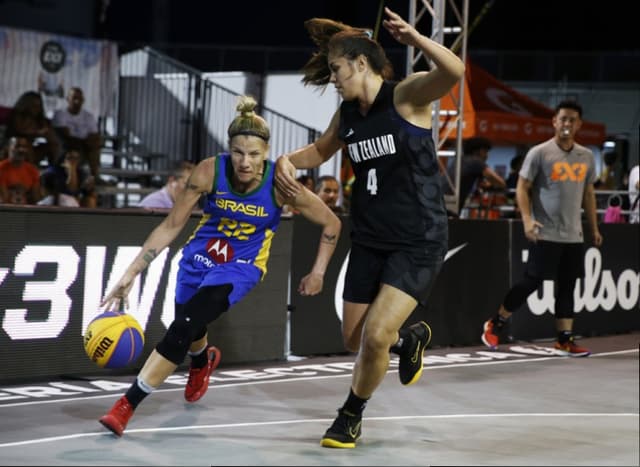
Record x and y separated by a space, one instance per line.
422 88
199 182
494 178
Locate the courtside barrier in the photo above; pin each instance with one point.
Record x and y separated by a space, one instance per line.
485 257
57 263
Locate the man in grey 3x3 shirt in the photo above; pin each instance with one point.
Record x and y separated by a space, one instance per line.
555 182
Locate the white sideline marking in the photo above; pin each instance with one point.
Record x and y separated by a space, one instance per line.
313 420
346 374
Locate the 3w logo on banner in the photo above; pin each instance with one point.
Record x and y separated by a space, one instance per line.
16 321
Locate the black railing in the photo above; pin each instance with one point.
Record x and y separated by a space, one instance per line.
506 65
167 112
172 109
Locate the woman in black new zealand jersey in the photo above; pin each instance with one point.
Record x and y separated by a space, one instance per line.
398 216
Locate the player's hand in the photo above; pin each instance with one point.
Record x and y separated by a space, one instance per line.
597 238
311 284
401 31
118 298
532 230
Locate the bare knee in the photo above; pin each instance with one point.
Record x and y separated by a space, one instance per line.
375 341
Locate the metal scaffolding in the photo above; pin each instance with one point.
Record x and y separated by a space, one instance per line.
450 28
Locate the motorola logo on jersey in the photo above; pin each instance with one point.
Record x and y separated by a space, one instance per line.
220 250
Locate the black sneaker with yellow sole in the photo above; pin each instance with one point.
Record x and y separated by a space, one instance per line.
344 431
410 366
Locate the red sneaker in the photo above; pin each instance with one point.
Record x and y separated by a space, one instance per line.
117 418
571 349
198 381
490 338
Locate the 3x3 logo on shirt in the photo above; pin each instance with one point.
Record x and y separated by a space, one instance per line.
565 172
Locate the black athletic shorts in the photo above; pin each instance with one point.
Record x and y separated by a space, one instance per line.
412 271
550 260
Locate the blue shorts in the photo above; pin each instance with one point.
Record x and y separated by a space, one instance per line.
243 278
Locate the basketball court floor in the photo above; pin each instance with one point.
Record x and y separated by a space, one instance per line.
521 405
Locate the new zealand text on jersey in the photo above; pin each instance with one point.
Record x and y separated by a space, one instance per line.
235 206
372 148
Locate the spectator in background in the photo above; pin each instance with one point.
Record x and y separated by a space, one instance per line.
514 170
78 129
19 178
475 173
167 195
610 180
607 178
52 193
51 88
328 189
27 118
75 180
512 182
634 195
307 181
555 184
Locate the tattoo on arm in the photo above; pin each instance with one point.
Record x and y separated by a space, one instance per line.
150 255
326 238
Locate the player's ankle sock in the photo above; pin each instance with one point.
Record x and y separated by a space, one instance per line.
403 343
138 391
499 321
354 405
564 336
199 359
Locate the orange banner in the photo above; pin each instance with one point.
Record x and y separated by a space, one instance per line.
503 115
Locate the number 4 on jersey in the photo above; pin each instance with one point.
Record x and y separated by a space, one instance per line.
372 181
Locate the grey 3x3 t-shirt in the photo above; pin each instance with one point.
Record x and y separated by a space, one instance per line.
559 179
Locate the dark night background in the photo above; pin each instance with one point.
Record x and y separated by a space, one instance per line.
508 24
225 35
192 30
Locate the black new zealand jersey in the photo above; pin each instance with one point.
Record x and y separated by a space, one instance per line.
397 199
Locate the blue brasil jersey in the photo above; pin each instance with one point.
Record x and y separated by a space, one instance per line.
235 227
